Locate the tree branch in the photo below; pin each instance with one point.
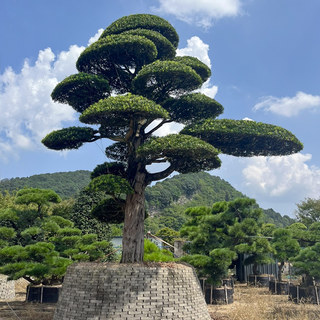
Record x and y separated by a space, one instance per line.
160 175
159 161
130 132
148 134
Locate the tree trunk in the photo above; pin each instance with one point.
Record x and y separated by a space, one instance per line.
133 231
280 271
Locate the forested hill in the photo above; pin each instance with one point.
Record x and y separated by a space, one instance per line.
168 199
192 189
66 184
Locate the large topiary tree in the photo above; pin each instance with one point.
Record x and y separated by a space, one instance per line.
135 60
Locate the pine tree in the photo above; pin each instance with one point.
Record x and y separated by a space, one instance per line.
135 60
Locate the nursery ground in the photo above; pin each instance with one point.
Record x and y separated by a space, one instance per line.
250 303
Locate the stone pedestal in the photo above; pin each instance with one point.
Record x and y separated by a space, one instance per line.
7 288
105 291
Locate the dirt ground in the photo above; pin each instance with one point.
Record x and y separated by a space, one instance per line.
250 303
18 309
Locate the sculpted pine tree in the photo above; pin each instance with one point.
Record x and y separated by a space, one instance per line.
135 60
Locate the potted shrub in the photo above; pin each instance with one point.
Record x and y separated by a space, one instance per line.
285 247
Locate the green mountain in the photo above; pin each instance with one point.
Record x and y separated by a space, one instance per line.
166 200
188 190
276 218
65 184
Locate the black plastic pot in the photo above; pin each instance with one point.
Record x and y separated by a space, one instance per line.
299 294
43 294
276 287
221 295
228 282
260 280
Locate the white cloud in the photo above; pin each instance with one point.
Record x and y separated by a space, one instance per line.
197 48
275 182
168 128
200 12
27 111
95 37
208 90
289 106
280 177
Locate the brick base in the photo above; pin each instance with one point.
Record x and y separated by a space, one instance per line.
109 291
7 288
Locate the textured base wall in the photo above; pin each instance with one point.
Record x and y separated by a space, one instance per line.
7 289
103 291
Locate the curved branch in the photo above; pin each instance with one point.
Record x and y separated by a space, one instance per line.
117 138
160 161
148 134
160 175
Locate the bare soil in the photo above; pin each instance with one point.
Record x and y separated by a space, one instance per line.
250 303
19 309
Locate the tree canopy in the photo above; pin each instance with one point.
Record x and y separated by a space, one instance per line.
308 211
39 197
285 246
218 234
40 247
136 56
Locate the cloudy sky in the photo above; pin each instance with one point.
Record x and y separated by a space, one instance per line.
264 56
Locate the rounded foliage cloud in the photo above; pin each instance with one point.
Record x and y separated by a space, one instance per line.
201 12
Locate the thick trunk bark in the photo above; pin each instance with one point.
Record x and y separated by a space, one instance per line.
133 231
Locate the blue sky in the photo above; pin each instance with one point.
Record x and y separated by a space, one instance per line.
264 56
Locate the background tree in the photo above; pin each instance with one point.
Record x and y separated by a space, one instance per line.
307 263
300 233
48 248
169 235
285 247
153 253
82 218
41 198
219 234
135 56
308 211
